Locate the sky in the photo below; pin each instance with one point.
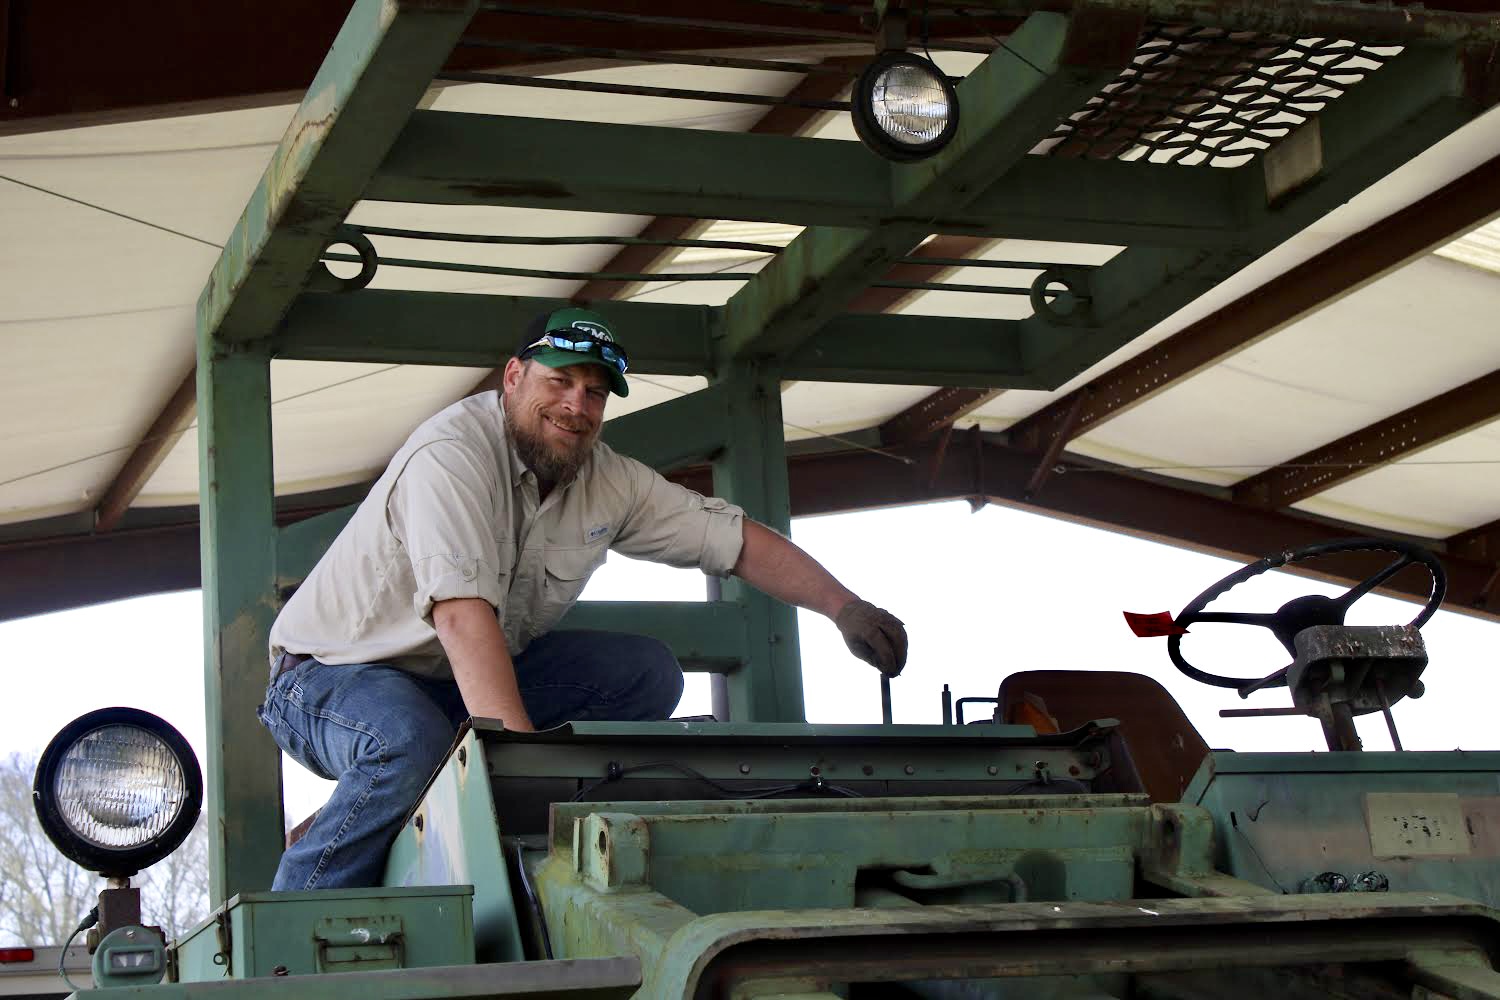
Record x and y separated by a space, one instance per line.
982 594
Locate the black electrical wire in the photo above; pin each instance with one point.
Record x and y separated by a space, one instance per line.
533 900
62 957
614 772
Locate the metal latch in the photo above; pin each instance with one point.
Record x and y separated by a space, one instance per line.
347 944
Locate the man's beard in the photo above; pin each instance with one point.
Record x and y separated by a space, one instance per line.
553 465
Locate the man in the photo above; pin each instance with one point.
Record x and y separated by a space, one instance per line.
438 599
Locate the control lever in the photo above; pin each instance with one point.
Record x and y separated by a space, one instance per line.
885 699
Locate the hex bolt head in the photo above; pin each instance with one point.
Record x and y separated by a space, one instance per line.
992 770
909 769
744 768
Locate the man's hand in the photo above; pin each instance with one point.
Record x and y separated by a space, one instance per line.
874 635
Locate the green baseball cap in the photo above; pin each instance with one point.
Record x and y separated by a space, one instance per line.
575 336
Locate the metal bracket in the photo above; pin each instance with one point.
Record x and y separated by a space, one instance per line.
1071 307
322 279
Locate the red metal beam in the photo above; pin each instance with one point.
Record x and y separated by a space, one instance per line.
81 62
165 431
54 574
1428 423
1446 214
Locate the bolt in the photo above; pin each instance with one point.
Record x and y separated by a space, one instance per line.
868 770
15 102
417 821
280 970
463 757
909 769
744 768
992 770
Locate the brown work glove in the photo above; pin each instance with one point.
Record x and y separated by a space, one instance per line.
874 635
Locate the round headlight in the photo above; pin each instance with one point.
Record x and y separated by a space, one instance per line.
117 790
904 107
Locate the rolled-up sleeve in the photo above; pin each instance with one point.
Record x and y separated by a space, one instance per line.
672 524
442 511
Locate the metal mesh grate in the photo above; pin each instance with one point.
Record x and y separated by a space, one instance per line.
1209 96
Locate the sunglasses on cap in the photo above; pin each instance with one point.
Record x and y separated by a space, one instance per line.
610 353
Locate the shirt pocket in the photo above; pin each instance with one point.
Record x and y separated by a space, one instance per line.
567 572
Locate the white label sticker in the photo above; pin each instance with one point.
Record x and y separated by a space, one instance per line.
1415 824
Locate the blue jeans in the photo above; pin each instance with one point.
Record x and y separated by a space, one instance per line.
381 733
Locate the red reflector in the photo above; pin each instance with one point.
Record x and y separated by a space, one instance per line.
17 954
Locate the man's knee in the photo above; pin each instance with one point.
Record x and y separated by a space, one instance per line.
658 676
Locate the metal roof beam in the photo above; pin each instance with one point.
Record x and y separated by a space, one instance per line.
1418 98
666 338
1010 103
448 158
160 438
58 573
378 68
1471 405
1369 255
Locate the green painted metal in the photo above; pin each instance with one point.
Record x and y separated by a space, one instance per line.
1281 820
457 159
751 472
243 766
453 837
1010 102
438 328
915 350
1383 122
615 978
255 933
711 636
678 432
380 64
300 545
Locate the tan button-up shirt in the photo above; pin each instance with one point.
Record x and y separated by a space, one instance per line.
457 514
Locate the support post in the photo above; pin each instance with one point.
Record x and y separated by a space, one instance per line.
238 556
751 472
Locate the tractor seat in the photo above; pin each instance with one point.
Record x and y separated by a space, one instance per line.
1164 745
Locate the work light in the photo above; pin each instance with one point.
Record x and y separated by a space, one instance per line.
117 790
904 108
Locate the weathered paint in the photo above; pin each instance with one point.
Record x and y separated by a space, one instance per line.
751 472
243 765
451 158
452 838
380 64
1009 106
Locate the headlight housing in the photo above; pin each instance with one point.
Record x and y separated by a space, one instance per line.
117 790
904 107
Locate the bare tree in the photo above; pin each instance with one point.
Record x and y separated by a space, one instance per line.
43 895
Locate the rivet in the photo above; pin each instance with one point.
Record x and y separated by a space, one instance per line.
992 770
744 768
910 770
868 770
417 821
463 756
280 970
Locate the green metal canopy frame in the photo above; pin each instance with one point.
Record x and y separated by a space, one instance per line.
357 136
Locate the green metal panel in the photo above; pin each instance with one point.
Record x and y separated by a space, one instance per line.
480 331
457 159
678 432
751 472
708 636
664 339
453 837
380 64
243 769
1281 820
1379 124
1008 107
256 933
299 546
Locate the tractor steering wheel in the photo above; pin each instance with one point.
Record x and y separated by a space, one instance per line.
1303 612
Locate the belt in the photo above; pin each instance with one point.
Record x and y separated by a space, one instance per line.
287 661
